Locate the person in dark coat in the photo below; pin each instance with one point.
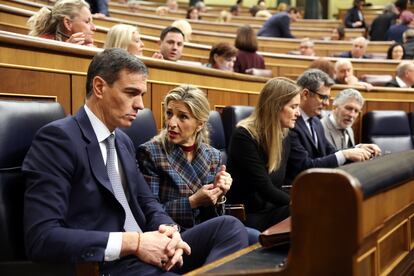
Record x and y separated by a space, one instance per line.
279 24
354 17
382 22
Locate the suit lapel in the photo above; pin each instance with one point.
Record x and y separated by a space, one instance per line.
336 135
93 150
302 125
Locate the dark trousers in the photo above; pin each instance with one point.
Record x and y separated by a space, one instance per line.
209 241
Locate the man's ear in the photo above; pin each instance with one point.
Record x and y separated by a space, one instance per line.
98 86
67 23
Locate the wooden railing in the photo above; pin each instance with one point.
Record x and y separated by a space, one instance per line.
354 220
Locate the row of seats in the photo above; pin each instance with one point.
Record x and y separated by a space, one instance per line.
391 130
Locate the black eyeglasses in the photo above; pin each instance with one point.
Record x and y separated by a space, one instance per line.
323 98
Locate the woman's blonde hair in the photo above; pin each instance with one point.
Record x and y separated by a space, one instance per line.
264 123
120 36
50 21
197 103
185 28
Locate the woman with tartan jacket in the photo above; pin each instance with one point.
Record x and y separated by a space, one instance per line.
180 166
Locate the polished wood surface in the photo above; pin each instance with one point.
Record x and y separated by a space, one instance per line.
336 231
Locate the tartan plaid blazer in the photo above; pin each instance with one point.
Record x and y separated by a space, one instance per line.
173 179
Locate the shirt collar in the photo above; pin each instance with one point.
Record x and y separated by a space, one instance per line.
100 129
304 115
400 82
335 124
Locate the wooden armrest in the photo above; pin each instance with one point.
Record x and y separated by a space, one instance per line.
235 210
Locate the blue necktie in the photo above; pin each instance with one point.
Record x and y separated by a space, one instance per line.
130 222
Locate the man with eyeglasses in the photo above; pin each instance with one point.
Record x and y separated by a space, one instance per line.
309 146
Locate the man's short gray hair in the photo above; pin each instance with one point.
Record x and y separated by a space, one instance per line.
346 95
404 67
313 79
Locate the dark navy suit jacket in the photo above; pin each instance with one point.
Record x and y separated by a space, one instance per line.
69 204
304 154
276 26
353 16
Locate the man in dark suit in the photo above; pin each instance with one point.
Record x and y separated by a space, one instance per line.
382 22
404 76
359 47
86 200
279 24
309 146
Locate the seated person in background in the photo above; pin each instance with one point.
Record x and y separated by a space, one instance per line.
253 10
354 17
192 13
125 37
338 125
395 32
279 24
183 171
344 74
338 33
281 7
325 65
171 44
86 200
306 47
134 5
358 50
404 76
222 56
309 146
172 5
396 51
161 11
382 22
68 20
408 44
258 153
99 8
185 27
246 43
234 10
224 17
201 8
263 14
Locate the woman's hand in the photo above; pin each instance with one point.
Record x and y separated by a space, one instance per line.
223 180
205 196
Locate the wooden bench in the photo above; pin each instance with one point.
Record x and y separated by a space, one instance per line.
61 67
14 13
354 220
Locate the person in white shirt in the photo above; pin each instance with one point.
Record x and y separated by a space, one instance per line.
404 76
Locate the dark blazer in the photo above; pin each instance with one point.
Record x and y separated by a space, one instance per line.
69 206
253 186
348 54
276 26
173 179
304 154
352 16
380 26
392 83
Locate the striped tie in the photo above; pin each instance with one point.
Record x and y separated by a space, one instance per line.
130 222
